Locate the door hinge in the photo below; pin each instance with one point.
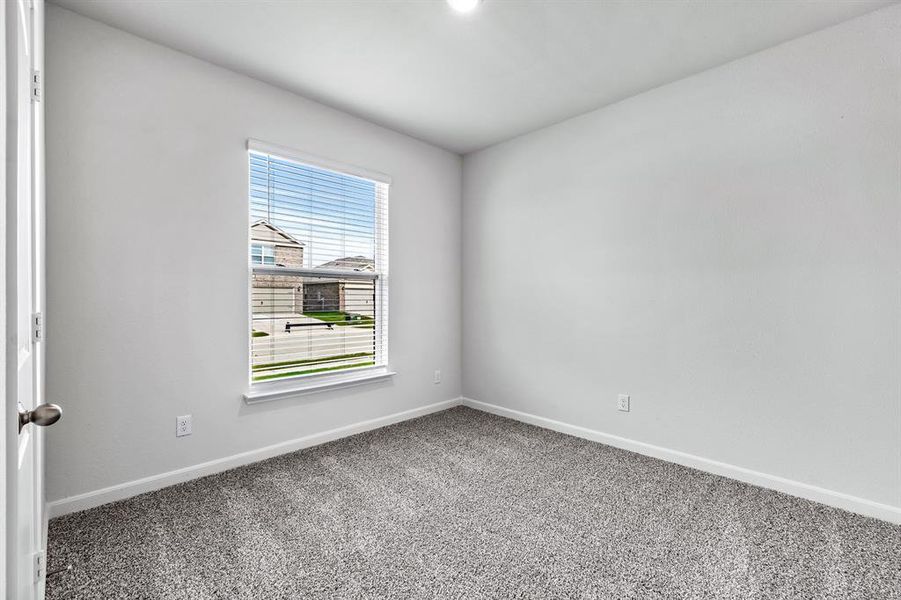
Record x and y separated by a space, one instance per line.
37 327
37 86
40 568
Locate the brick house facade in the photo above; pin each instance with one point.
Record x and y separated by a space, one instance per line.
357 297
273 294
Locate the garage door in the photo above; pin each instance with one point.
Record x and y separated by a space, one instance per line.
267 301
359 298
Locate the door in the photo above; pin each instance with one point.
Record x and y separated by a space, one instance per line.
24 283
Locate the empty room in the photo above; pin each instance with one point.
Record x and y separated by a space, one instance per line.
451 299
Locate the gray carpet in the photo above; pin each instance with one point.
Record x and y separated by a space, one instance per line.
462 504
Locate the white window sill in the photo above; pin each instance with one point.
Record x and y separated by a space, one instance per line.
299 386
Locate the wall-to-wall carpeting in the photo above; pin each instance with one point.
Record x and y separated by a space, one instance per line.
463 504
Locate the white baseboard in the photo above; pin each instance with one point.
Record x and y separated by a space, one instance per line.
154 482
794 488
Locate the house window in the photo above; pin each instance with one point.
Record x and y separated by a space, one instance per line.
262 254
319 269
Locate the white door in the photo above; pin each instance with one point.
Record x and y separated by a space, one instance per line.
24 299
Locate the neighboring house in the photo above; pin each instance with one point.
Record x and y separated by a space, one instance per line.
275 294
356 263
357 297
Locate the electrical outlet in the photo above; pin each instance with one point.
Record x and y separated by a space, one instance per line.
437 376
183 425
623 403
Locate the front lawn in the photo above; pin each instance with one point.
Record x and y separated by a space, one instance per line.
310 371
341 318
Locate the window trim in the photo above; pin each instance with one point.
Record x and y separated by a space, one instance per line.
263 391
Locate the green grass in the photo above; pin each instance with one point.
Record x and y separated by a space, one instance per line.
341 318
307 361
310 371
259 333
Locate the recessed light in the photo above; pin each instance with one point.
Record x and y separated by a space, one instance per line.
463 6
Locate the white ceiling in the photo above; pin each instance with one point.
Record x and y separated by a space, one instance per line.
464 82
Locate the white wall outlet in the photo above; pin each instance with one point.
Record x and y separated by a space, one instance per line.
437 376
183 425
623 403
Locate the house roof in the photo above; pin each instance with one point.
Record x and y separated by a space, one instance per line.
264 231
357 263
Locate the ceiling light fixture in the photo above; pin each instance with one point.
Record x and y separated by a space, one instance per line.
463 6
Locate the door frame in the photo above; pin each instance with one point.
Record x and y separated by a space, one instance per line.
8 442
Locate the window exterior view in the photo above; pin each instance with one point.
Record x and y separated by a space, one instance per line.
318 286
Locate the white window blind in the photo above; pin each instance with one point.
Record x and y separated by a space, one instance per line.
319 269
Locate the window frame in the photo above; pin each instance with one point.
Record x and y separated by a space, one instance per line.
298 385
263 247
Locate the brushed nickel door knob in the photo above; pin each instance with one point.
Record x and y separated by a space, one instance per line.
43 415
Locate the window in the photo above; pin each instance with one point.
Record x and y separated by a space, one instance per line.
319 270
262 254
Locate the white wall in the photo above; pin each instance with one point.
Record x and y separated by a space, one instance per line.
147 293
724 248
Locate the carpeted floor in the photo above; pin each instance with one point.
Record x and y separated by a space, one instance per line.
463 504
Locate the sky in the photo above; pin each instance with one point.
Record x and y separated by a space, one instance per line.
331 213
